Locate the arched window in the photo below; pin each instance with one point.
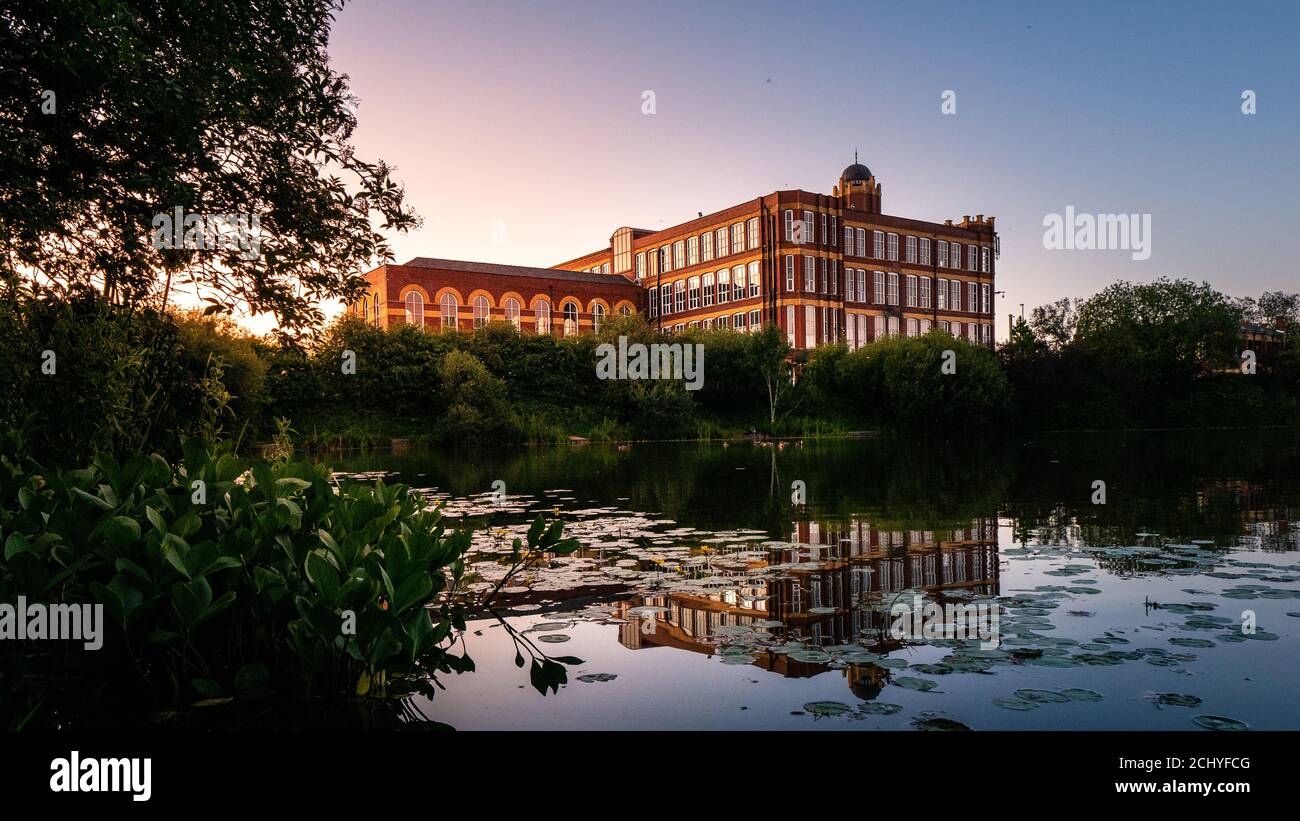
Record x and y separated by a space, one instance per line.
708 288
512 312
597 315
625 311
363 310
543 317
724 286
449 308
376 309
415 309
480 311
570 318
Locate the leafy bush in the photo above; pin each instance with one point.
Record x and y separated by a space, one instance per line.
224 580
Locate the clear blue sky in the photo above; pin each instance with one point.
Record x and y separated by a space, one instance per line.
528 116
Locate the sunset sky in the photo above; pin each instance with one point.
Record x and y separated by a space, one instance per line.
530 115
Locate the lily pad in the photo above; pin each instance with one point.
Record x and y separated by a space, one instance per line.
921 684
1177 699
1014 703
1220 723
826 708
1042 696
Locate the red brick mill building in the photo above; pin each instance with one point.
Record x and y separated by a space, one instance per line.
823 268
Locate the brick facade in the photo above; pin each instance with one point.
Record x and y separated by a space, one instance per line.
824 268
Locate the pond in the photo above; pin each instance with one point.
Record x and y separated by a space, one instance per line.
1080 581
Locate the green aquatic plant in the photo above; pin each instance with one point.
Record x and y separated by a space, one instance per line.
224 581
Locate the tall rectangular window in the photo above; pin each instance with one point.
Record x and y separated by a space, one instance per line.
707 281
751 231
789 225
925 251
848 285
809 230
972 297
954 295
911 291
667 299
941 250
972 257
722 246
942 293
893 289
822 264
706 246
835 277
910 250
640 265
880 287
878 328
861 235
737 238
789 272
834 230
824 238
679 295
724 286
878 243
789 325
848 240
809 273
693 251
753 278
954 255
679 254
893 247
738 282
693 293
984 299
862 285
984 258
810 326
654 302
665 259
925 292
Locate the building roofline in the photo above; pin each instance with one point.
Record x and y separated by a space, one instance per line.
496 269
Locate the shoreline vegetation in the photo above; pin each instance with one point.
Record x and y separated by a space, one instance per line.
85 378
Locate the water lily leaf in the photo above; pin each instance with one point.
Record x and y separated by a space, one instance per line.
1220 723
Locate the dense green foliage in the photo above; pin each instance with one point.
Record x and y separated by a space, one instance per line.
129 381
224 580
1150 355
119 112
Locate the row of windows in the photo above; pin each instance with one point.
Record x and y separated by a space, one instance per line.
884 245
886 286
750 322
705 247
915 250
482 311
804 231
822 325
706 290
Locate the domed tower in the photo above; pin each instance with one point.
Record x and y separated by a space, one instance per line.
858 188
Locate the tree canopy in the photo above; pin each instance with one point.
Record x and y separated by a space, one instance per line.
118 115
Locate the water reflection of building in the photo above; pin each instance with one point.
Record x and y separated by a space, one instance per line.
1267 522
822 593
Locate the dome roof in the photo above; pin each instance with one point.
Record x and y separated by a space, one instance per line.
856 172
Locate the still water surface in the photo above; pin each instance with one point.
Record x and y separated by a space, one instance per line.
711 594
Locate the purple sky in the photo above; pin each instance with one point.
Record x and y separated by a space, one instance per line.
527 117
